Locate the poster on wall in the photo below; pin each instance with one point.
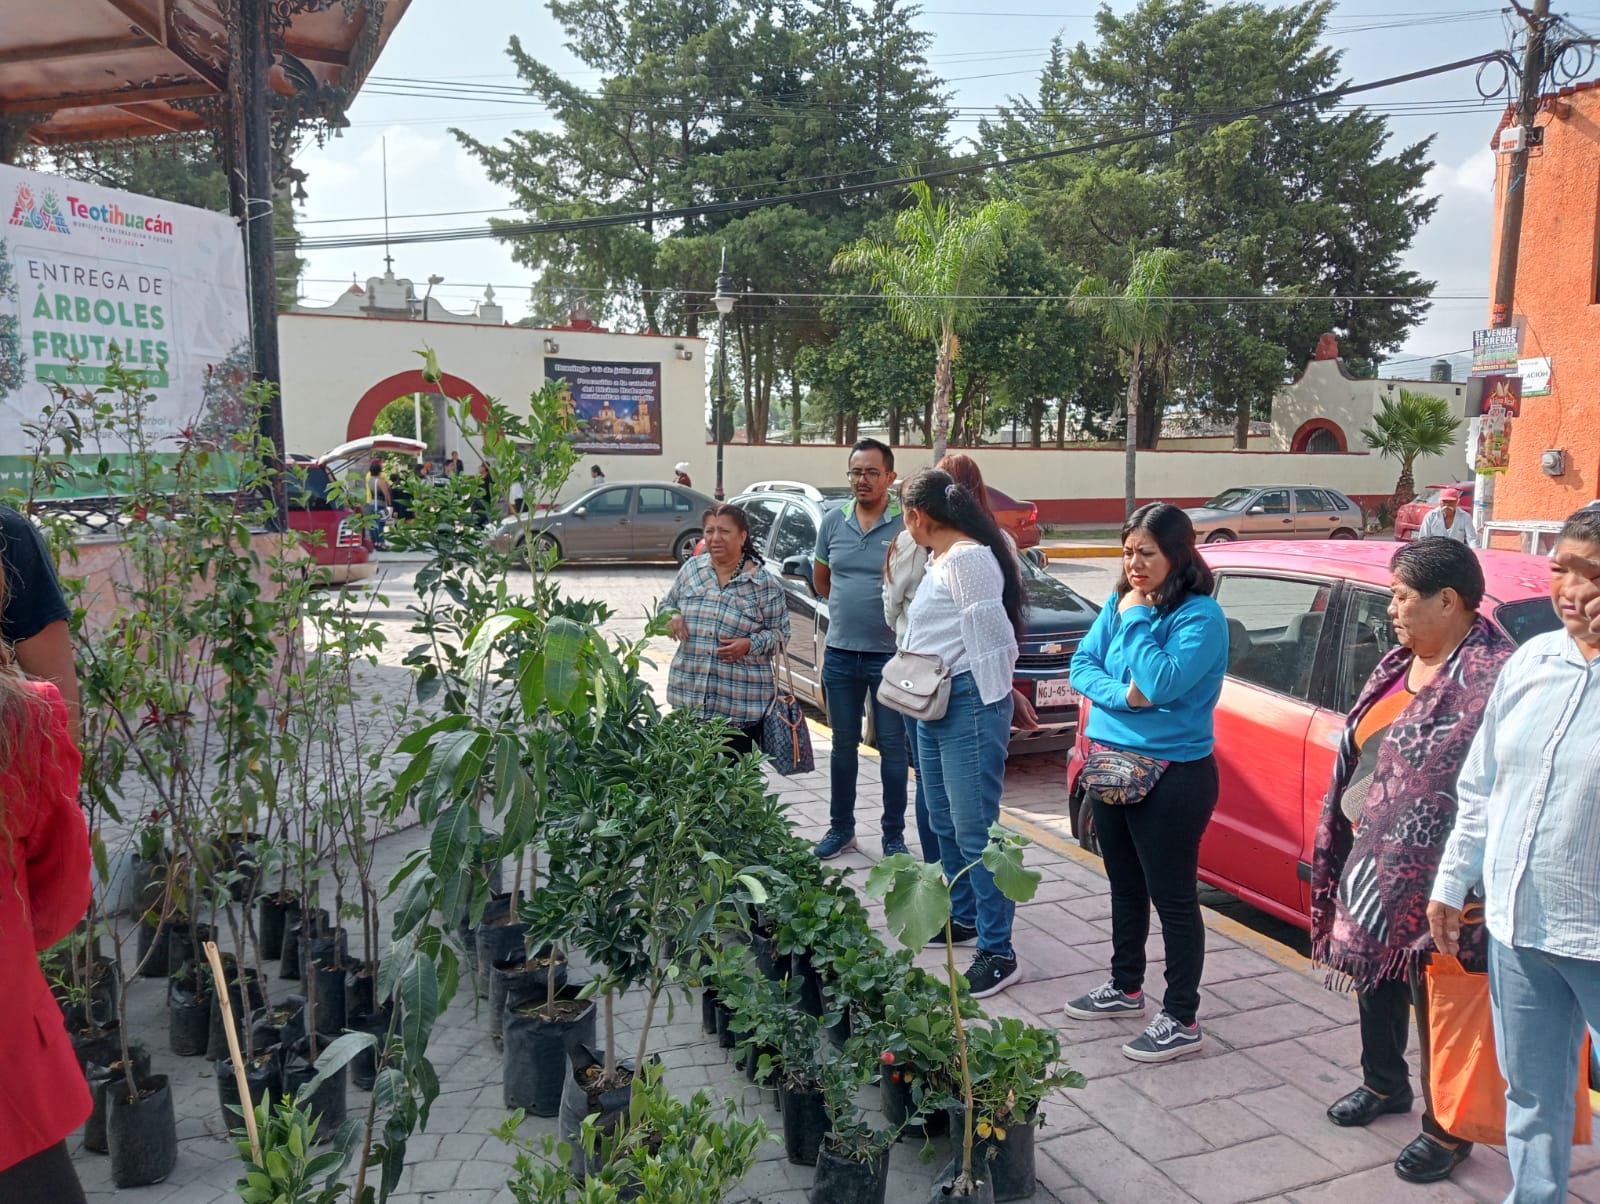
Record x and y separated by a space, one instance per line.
1494 444
89 275
1494 351
1535 374
617 405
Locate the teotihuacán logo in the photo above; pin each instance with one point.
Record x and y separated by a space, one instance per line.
43 213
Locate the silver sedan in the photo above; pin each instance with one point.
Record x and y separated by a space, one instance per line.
641 520
1277 512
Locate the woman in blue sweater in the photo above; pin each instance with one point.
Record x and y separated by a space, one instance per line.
1152 666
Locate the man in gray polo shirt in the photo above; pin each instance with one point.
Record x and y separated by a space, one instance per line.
852 547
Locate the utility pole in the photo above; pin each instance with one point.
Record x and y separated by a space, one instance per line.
1516 195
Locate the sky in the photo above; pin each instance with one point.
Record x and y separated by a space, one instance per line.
984 55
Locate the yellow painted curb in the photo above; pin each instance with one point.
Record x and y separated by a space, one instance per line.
1089 553
1226 925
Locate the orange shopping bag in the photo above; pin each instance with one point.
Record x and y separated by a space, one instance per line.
1464 1081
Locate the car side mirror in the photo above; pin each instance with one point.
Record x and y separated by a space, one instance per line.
798 568
1252 510
581 512
1037 558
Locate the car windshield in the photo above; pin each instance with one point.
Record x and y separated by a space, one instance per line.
1528 618
1230 499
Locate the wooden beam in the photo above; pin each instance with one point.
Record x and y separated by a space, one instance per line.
215 76
166 119
139 17
81 49
96 100
306 52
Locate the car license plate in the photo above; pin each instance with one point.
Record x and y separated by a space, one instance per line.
1057 693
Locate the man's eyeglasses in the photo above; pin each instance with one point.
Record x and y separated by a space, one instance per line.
864 474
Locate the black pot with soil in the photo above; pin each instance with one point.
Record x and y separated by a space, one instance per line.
329 1100
246 998
283 1024
769 962
894 1094
264 1076
88 999
141 1132
155 948
185 943
497 942
360 988
1008 1165
583 1095
99 1076
96 1046
364 1066
241 861
272 911
844 1180
516 980
810 984
727 1038
708 1012
298 933
330 998
188 1012
538 1049
805 1123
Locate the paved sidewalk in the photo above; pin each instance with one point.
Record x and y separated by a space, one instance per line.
1241 1121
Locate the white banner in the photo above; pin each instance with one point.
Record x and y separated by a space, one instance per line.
89 273
1535 375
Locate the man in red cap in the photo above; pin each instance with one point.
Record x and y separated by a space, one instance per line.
1449 520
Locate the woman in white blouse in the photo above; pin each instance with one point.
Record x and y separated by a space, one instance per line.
967 611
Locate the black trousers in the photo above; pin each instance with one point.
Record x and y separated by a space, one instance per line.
1385 1024
741 739
45 1178
1152 852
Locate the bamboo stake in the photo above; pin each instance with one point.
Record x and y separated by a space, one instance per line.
239 1070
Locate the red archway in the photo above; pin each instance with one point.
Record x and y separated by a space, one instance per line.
403 383
1310 427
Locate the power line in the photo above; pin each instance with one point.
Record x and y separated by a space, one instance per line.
637 217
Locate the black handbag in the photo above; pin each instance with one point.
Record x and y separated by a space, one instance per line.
1117 777
785 737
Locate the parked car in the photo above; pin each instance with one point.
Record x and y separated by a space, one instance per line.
1409 517
784 523
1307 624
339 541
1277 512
641 520
1021 519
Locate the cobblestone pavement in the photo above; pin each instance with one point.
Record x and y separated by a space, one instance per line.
1241 1121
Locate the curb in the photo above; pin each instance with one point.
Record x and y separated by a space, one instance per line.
1083 553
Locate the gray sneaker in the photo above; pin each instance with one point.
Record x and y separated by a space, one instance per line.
1105 1000
1164 1040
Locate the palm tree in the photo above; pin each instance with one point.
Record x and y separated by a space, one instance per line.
1136 319
1407 428
930 274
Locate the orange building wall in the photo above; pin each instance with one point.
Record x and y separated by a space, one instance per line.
1556 293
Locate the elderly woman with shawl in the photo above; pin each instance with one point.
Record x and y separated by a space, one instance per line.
1389 810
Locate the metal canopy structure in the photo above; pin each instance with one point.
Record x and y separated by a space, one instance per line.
252 76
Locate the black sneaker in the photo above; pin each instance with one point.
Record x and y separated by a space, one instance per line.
962 934
1164 1040
895 844
1104 1001
837 841
991 973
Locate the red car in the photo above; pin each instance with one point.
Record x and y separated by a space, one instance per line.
1409 517
339 542
1307 624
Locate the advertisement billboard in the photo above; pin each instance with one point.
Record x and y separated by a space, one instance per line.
617 405
89 275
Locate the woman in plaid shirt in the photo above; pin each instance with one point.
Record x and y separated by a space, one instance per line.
731 621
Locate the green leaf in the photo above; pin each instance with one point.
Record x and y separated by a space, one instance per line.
335 1058
419 1004
917 905
452 837
1003 859
758 891
97 850
564 641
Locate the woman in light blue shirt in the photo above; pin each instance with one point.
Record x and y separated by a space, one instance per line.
1528 829
1152 667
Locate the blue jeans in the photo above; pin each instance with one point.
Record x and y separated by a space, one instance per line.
849 679
1541 1002
926 836
378 523
961 763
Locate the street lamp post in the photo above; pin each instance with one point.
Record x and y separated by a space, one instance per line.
723 299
